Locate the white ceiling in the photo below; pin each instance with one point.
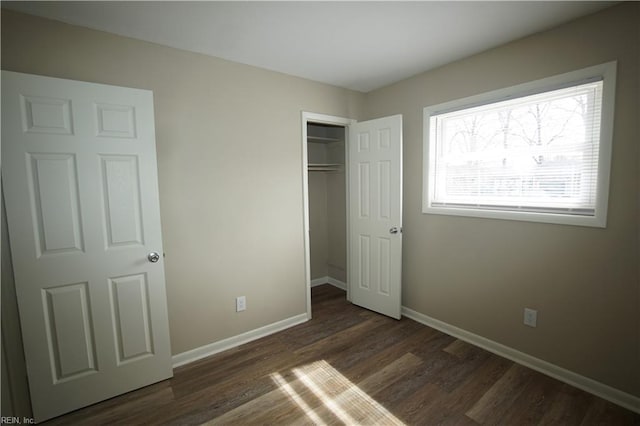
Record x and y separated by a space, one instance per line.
357 45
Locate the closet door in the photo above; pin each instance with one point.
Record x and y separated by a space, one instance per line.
375 214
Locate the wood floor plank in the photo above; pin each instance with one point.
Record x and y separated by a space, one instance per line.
569 407
266 406
351 366
223 396
602 412
460 349
497 400
354 367
411 407
456 402
461 370
237 364
340 340
111 411
485 376
388 374
532 403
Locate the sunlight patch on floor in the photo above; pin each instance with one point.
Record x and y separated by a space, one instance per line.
339 397
286 387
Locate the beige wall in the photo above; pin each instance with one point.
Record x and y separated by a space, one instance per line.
318 225
229 163
479 274
328 225
337 226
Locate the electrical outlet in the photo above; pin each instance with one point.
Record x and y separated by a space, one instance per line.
241 303
530 317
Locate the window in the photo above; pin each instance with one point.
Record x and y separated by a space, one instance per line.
538 152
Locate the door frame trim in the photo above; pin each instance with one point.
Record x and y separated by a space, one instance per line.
325 119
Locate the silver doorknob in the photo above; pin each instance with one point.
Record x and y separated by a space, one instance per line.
153 257
393 230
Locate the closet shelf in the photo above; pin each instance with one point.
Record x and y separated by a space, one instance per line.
316 167
321 139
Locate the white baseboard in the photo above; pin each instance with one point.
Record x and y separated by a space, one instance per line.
337 283
329 280
319 281
616 396
231 342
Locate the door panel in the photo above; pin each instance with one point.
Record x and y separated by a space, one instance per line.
364 266
46 115
364 190
53 185
132 327
69 332
80 182
375 187
121 200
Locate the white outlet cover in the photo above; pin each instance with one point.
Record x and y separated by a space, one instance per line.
530 317
241 304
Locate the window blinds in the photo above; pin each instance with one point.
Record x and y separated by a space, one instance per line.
535 153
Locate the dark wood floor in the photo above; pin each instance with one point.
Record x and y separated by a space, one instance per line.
352 366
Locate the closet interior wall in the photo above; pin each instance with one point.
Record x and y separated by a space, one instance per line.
327 203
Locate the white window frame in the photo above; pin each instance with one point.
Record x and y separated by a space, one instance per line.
606 72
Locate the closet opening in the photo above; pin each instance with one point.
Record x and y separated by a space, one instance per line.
325 189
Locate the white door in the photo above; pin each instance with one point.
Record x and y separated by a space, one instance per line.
80 181
375 214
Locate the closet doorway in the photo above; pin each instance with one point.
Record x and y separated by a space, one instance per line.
352 188
325 193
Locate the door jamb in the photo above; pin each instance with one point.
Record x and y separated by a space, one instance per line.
325 119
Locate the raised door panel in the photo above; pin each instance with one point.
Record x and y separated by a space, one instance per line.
69 331
384 190
384 138
132 325
364 262
115 121
384 266
121 200
46 115
363 141
364 190
55 206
